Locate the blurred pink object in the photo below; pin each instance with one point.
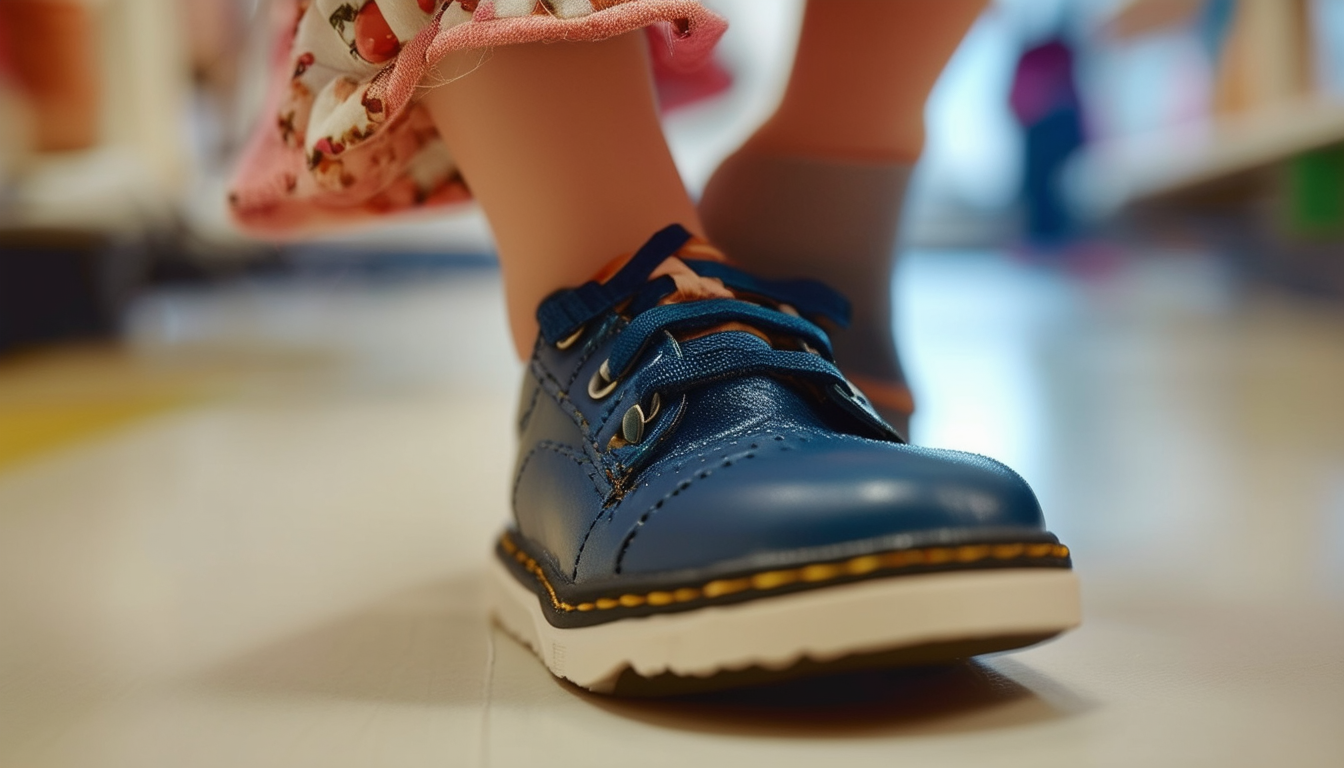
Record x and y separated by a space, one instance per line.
1043 82
343 139
678 85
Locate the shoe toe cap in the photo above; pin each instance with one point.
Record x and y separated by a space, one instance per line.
779 496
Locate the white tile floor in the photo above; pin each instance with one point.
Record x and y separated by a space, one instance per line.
284 572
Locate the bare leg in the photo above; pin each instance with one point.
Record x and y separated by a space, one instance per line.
863 71
562 146
817 191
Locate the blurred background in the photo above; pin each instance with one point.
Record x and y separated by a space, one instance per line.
1066 130
246 486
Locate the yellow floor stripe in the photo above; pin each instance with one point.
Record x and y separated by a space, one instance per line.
28 432
50 399
61 396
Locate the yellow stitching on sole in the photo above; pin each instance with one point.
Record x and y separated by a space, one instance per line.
972 554
939 555
774 579
827 571
726 587
812 574
901 558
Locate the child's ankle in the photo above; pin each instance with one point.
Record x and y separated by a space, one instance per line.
772 140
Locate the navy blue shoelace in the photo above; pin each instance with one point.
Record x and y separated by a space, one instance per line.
563 313
708 359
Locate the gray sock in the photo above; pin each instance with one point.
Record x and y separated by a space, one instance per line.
835 221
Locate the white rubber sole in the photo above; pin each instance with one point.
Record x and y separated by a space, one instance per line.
776 632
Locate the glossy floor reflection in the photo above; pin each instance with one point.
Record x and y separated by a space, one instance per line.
254 536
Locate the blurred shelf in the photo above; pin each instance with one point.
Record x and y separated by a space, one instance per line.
1213 159
460 229
105 189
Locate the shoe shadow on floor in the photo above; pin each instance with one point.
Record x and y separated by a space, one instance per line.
433 646
428 645
961 697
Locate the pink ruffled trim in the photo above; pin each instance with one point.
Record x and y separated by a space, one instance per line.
276 194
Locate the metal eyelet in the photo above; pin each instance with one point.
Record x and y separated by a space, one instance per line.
573 337
634 420
601 384
850 392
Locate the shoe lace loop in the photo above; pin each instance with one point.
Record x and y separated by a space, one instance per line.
714 357
695 315
564 312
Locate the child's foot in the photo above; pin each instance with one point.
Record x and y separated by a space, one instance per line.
783 215
702 498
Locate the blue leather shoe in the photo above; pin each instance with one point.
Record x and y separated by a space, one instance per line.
700 494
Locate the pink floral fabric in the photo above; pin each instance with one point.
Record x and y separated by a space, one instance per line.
342 138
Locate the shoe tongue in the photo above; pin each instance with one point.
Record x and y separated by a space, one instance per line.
690 286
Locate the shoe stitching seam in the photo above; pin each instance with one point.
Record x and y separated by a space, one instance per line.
813 573
534 362
657 473
612 406
587 353
726 462
703 474
578 556
563 450
802 435
526 418
625 392
604 332
562 398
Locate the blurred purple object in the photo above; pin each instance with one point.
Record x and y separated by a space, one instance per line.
1044 98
